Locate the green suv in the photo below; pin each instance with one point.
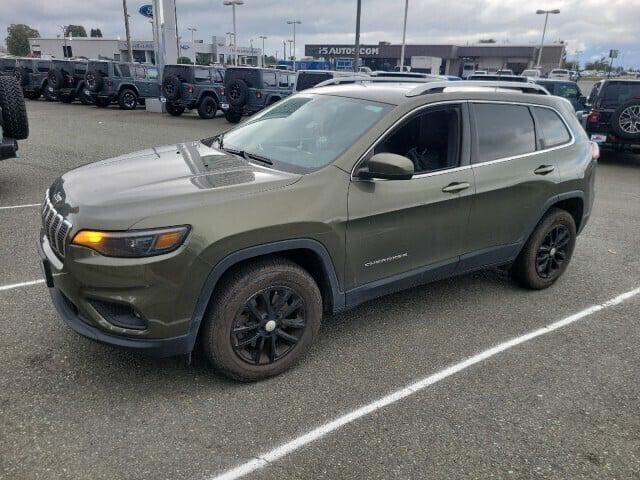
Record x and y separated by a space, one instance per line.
128 84
329 198
248 90
190 87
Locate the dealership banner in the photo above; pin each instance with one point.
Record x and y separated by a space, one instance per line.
340 50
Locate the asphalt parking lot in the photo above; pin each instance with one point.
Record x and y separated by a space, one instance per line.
561 405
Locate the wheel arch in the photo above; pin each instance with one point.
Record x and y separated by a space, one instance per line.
208 93
130 86
308 253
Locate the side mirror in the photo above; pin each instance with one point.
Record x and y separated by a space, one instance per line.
388 166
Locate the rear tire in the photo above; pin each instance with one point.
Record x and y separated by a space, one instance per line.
66 97
32 95
102 102
547 253
233 116
127 99
84 98
174 110
15 123
48 95
262 320
208 108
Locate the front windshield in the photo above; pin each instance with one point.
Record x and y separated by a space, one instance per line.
304 132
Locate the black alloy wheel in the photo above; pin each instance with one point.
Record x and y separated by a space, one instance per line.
269 326
128 100
552 252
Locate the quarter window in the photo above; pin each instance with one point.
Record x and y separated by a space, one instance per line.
553 129
431 140
124 70
269 79
202 75
503 131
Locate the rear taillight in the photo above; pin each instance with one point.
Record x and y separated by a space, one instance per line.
594 117
109 83
595 150
222 90
258 94
190 88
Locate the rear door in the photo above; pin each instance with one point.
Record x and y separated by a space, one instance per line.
153 81
515 176
140 79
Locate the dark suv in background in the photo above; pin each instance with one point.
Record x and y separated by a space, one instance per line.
189 87
66 80
248 90
128 84
32 73
614 117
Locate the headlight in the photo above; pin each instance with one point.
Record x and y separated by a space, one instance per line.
134 243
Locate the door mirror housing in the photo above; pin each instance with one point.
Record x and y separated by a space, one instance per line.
387 166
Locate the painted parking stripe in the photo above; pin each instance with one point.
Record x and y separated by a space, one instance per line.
20 285
28 205
291 446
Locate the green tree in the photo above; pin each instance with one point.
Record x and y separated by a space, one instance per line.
96 33
75 31
185 60
18 35
270 60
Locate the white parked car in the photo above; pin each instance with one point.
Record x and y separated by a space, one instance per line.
532 73
560 73
480 72
504 71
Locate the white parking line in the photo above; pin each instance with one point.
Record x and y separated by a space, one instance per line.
28 205
19 285
316 434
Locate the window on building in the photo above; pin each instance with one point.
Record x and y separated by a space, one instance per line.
431 140
553 129
67 51
503 131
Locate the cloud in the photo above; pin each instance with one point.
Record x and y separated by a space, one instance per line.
590 26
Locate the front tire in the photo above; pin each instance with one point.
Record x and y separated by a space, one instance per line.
547 253
174 110
208 108
233 116
127 99
262 320
66 97
102 102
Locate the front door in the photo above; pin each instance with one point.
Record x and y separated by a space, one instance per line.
400 229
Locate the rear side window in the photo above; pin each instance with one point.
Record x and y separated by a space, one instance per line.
43 66
202 75
269 79
139 72
80 68
309 80
553 129
218 76
124 70
617 93
503 131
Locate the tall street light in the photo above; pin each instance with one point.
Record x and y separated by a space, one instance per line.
127 30
193 30
404 34
294 23
544 30
263 54
356 56
233 4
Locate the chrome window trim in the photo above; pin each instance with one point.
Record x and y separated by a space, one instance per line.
536 152
391 127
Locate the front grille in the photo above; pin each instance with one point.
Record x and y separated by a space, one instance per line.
56 228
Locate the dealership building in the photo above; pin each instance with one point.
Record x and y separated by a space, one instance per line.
492 57
218 51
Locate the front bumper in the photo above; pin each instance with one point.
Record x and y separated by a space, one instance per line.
163 290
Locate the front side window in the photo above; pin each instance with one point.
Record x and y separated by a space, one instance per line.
125 71
568 90
303 133
152 73
139 72
552 127
503 131
431 140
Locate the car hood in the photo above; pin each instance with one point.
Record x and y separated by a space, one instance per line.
118 192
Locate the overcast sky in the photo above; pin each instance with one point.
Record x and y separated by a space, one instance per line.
593 26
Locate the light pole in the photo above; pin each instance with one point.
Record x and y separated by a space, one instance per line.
233 4
544 30
263 54
127 31
356 57
404 34
292 54
64 36
193 30
251 47
284 46
294 23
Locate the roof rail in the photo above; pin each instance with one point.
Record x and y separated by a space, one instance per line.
477 86
367 79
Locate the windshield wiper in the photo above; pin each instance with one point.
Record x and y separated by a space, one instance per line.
247 155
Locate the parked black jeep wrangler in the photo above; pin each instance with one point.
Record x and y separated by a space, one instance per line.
614 116
193 87
66 80
7 66
32 74
248 90
126 83
14 125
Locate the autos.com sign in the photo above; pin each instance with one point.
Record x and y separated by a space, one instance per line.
341 50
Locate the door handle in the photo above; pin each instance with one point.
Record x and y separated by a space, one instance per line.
456 187
544 169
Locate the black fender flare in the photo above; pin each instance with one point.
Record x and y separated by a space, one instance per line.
128 85
337 296
209 93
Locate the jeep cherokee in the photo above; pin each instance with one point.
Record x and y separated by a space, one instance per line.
192 87
248 90
327 199
126 83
